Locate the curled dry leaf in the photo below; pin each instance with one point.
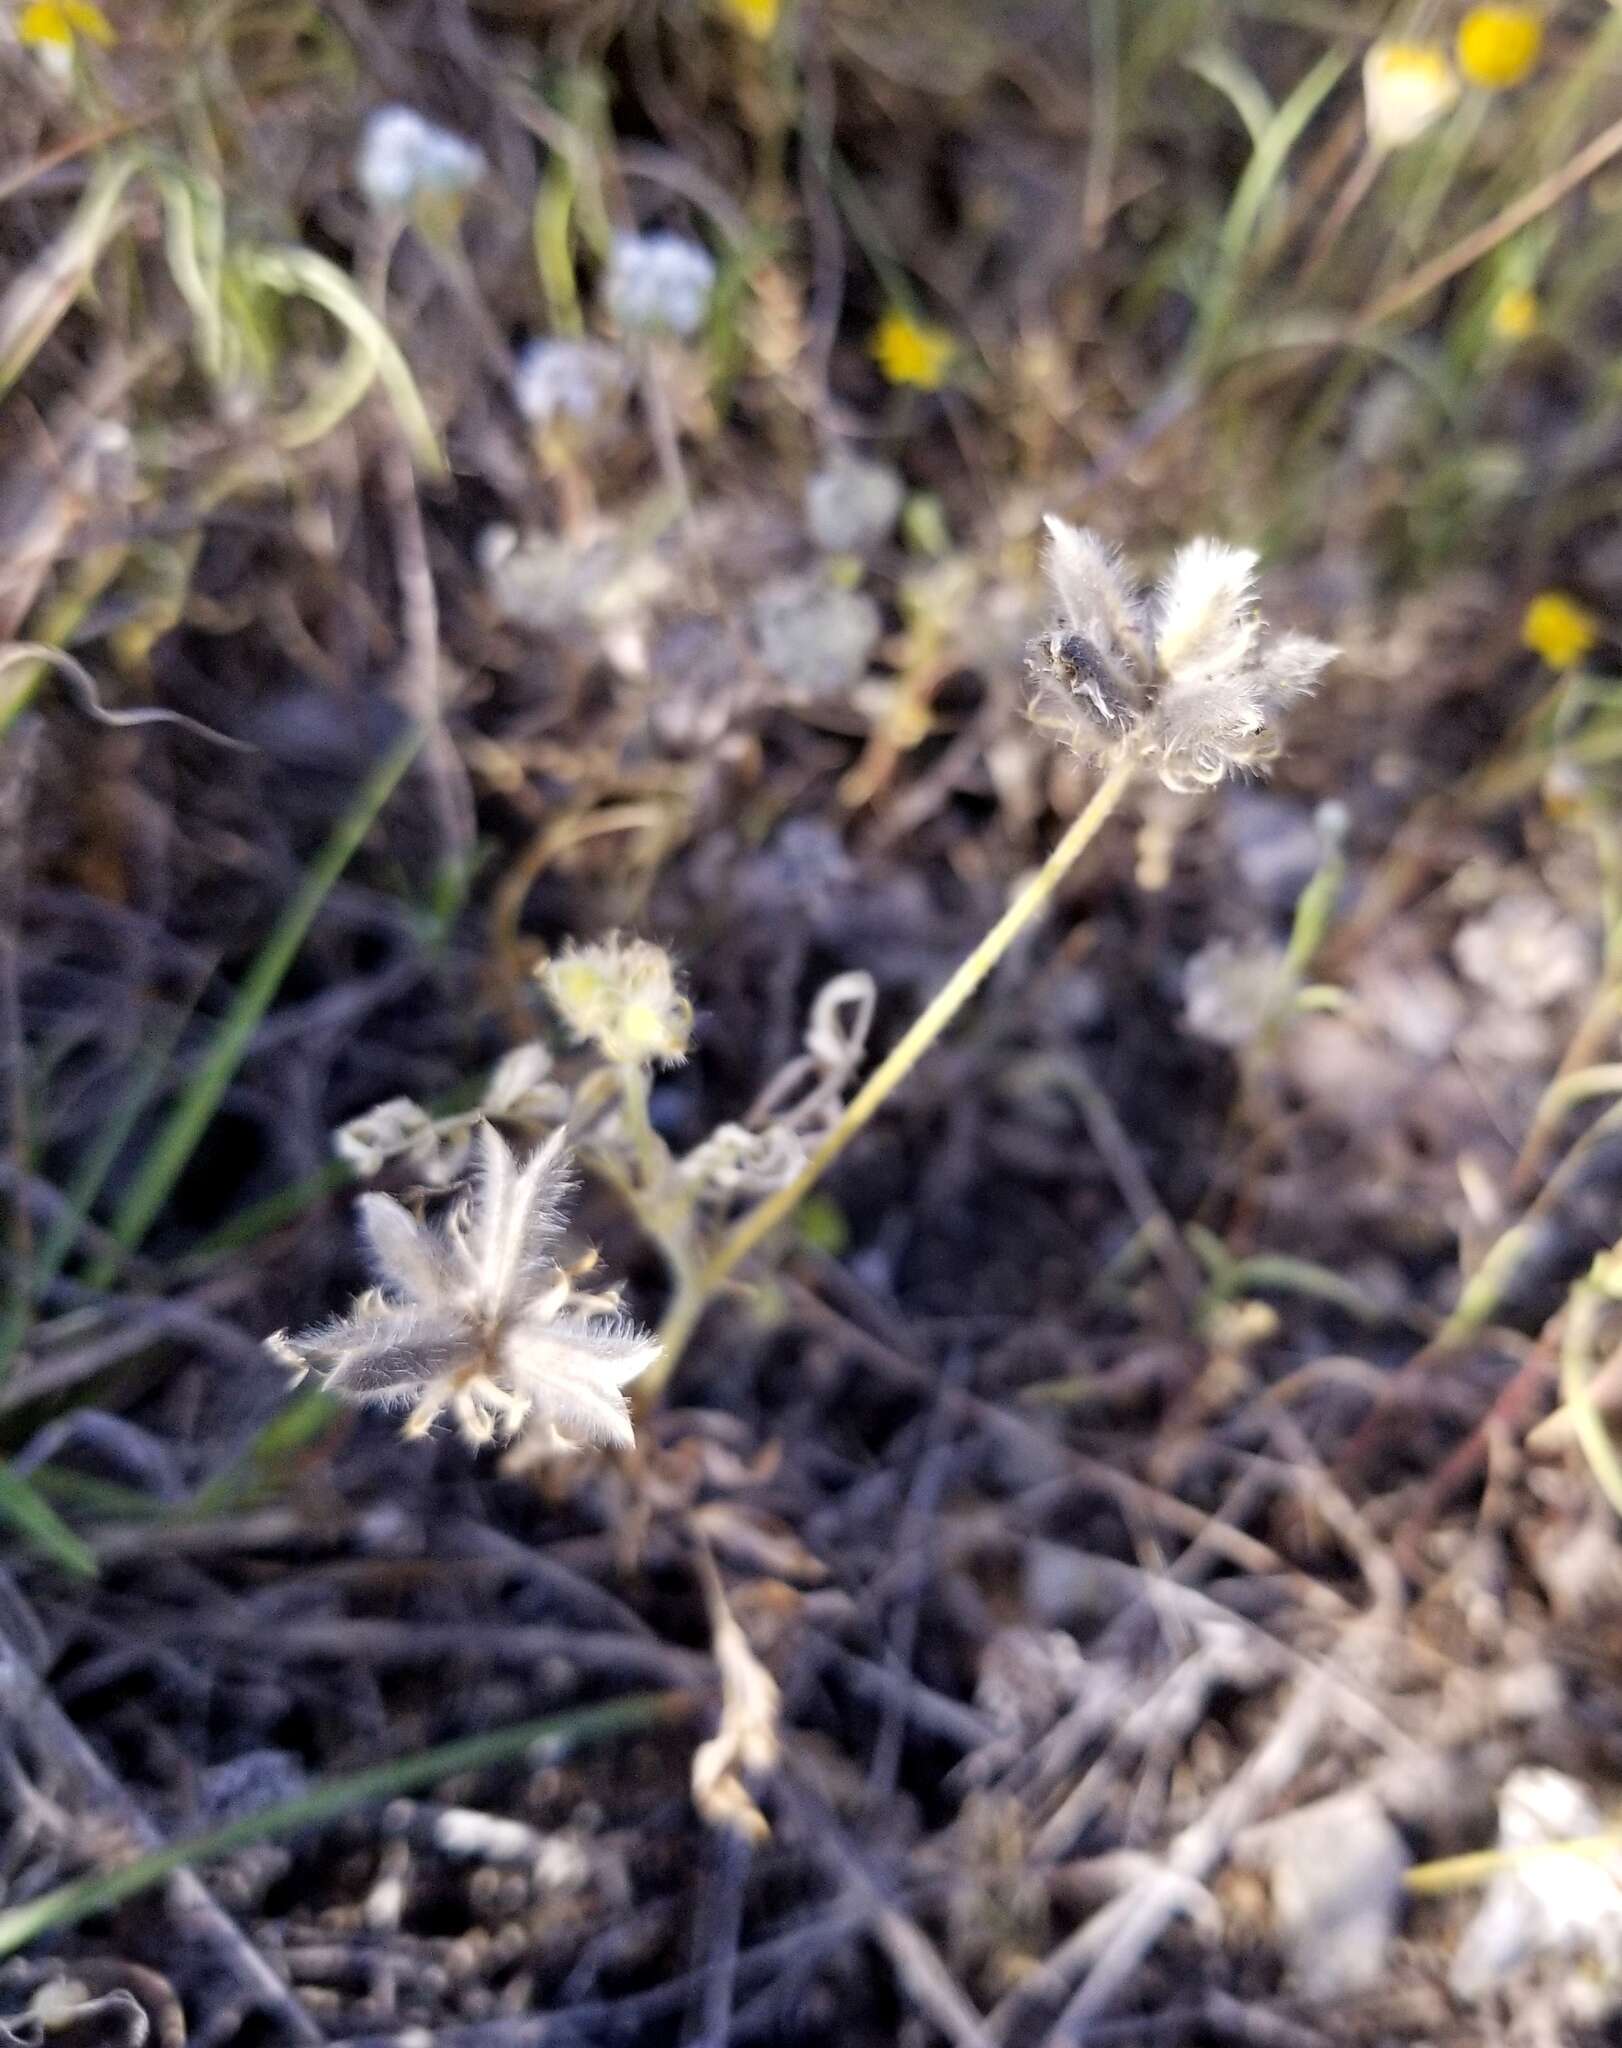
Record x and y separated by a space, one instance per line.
746 1744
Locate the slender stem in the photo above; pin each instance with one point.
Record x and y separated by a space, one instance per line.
926 1027
649 1152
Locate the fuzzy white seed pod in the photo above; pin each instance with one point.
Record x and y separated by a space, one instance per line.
1205 619
1188 683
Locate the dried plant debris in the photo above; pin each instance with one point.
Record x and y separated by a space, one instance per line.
520 1093
744 1748
799 1106
1543 1904
477 1319
1335 1870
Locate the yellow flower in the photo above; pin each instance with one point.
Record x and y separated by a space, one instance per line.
910 351
756 18
1559 629
1498 46
56 25
1405 87
1515 313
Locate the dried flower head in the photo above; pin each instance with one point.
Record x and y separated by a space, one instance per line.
477 1318
520 1091
404 157
1186 680
658 284
1406 86
622 995
396 1129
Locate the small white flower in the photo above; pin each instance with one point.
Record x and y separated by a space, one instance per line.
1406 86
1525 951
1232 992
815 637
560 381
477 1318
658 283
403 157
851 506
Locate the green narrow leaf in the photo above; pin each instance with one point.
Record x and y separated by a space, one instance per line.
178 1138
302 273
1255 187
34 1519
85 1186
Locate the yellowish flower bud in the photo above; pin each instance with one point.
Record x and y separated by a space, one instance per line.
1406 86
1515 313
622 995
757 18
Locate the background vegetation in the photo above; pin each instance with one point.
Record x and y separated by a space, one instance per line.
1165 1468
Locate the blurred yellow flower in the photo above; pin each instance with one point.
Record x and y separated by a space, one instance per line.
756 18
910 351
1405 87
58 24
1559 629
1515 313
1498 46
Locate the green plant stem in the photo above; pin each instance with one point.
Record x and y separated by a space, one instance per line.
633 1087
1576 1365
931 1021
190 1117
1481 1866
555 1734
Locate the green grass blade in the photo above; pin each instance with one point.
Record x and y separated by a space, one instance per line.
191 1115
303 273
1251 194
33 1517
558 1734
86 1184
304 1420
